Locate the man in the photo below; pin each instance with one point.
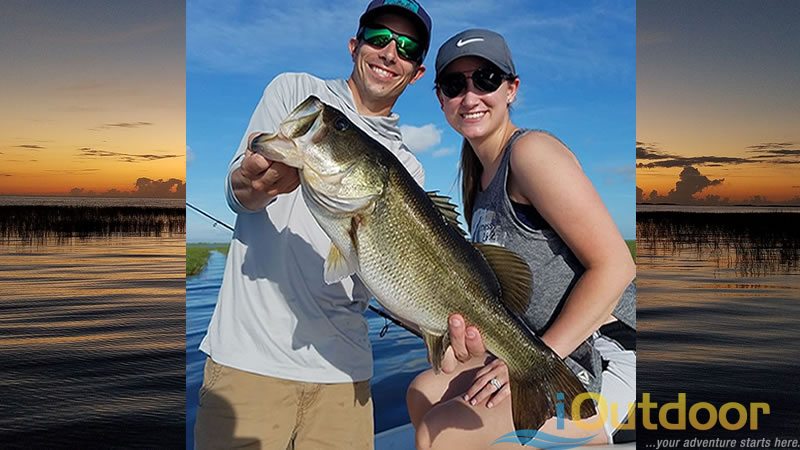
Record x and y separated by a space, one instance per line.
289 356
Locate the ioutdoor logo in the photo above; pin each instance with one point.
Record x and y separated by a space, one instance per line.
730 416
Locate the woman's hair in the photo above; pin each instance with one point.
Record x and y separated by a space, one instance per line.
469 171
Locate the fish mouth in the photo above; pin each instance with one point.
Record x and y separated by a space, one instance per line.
295 133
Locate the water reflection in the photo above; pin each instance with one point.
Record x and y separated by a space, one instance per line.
718 314
92 342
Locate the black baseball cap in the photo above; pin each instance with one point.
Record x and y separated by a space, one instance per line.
408 8
476 42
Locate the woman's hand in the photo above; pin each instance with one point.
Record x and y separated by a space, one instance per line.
465 343
492 382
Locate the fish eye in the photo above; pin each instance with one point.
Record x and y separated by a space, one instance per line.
341 124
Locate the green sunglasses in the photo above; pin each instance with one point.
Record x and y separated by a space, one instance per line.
407 48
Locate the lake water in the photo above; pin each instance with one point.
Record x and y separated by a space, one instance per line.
91 342
719 316
398 356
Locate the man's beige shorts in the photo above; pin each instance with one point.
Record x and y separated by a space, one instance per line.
243 410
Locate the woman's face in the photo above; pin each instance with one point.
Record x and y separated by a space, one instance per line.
473 113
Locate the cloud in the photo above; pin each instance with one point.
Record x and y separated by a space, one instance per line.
769 152
127 125
690 183
224 36
5 175
785 161
30 146
560 42
694 161
774 152
771 145
778 153
145 187
650 151
442 152
420 139
189 154
757 200
92 153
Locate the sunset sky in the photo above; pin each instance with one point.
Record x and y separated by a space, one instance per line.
93 97
718 104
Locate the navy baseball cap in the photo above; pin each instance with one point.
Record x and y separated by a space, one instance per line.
485 44
408 8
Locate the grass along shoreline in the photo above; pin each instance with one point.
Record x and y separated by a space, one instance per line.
197 255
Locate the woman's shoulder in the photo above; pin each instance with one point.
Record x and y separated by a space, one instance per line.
538 147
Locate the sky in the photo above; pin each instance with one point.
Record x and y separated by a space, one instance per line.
718 104
93 98
576 62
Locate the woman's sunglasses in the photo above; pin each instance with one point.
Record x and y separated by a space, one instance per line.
407 48
485 79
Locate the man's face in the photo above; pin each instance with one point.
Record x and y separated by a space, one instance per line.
380 74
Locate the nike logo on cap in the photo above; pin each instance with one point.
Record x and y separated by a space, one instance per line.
463 42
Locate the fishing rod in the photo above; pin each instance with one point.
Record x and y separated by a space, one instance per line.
377 311
216 221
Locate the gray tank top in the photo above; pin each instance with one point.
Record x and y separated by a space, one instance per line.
555 267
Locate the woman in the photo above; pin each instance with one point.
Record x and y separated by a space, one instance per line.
526 191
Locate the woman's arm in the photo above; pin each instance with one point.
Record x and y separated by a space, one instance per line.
545 174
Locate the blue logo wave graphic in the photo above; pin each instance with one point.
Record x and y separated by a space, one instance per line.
536 438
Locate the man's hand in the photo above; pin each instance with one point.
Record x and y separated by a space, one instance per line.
270 177
465 343
258 180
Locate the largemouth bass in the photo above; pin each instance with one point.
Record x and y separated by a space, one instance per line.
407 248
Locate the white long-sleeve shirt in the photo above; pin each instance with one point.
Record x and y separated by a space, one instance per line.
275 315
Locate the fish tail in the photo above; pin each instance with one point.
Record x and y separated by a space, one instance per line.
534 399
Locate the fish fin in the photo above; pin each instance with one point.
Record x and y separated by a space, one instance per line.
436 344
513 274
447 209
337 267
533 399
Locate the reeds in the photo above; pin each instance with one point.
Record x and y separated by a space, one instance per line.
41 223
752 243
